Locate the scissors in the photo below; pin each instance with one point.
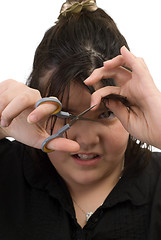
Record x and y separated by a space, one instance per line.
60 114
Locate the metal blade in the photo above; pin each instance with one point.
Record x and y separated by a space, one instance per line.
81 114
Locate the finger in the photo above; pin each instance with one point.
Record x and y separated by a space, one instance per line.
41 112
99 94
111 69
114 62
135 63
63 144
138 66
126 59
121 75
96 76
120 111
7 96
57 144
16 106
6 84
39 135
5 99
129 59
128 117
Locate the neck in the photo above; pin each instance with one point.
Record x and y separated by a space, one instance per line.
101 187
88 197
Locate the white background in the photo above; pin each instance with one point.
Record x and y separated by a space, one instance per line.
23 24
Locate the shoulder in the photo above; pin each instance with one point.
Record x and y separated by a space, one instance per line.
156 157
11 158
8 144
141 187
154 166
152 169
150 178
10 150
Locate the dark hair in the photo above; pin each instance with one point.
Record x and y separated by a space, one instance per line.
71 49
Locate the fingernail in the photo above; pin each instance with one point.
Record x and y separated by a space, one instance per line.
93 105
28 120
31 119
86 80
3 123
125 48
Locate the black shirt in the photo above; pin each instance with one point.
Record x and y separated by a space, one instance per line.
35 203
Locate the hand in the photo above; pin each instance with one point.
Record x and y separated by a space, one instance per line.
19 118
143 120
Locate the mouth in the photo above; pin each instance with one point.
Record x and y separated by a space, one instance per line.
86 159
85 156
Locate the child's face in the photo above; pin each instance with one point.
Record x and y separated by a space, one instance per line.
102 142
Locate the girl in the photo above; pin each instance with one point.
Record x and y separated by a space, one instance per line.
98 182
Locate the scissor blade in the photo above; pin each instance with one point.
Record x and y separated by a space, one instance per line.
81 114
87 110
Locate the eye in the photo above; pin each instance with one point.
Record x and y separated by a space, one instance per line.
106 115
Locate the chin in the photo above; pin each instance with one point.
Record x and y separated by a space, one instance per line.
86 178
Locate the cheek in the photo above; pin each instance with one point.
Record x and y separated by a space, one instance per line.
116 138
59 160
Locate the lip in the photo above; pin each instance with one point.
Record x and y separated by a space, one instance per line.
90 162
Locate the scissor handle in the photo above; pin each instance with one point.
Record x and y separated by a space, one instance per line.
50 99
59 133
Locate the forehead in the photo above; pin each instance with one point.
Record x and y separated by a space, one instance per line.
77 96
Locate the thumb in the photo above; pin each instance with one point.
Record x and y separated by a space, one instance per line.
55 144
120 111
63 144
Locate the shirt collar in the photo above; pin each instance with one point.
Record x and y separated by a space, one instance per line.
132 189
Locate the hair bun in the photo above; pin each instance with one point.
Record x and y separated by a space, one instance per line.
77 7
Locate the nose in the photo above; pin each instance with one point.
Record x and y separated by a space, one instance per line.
86 134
